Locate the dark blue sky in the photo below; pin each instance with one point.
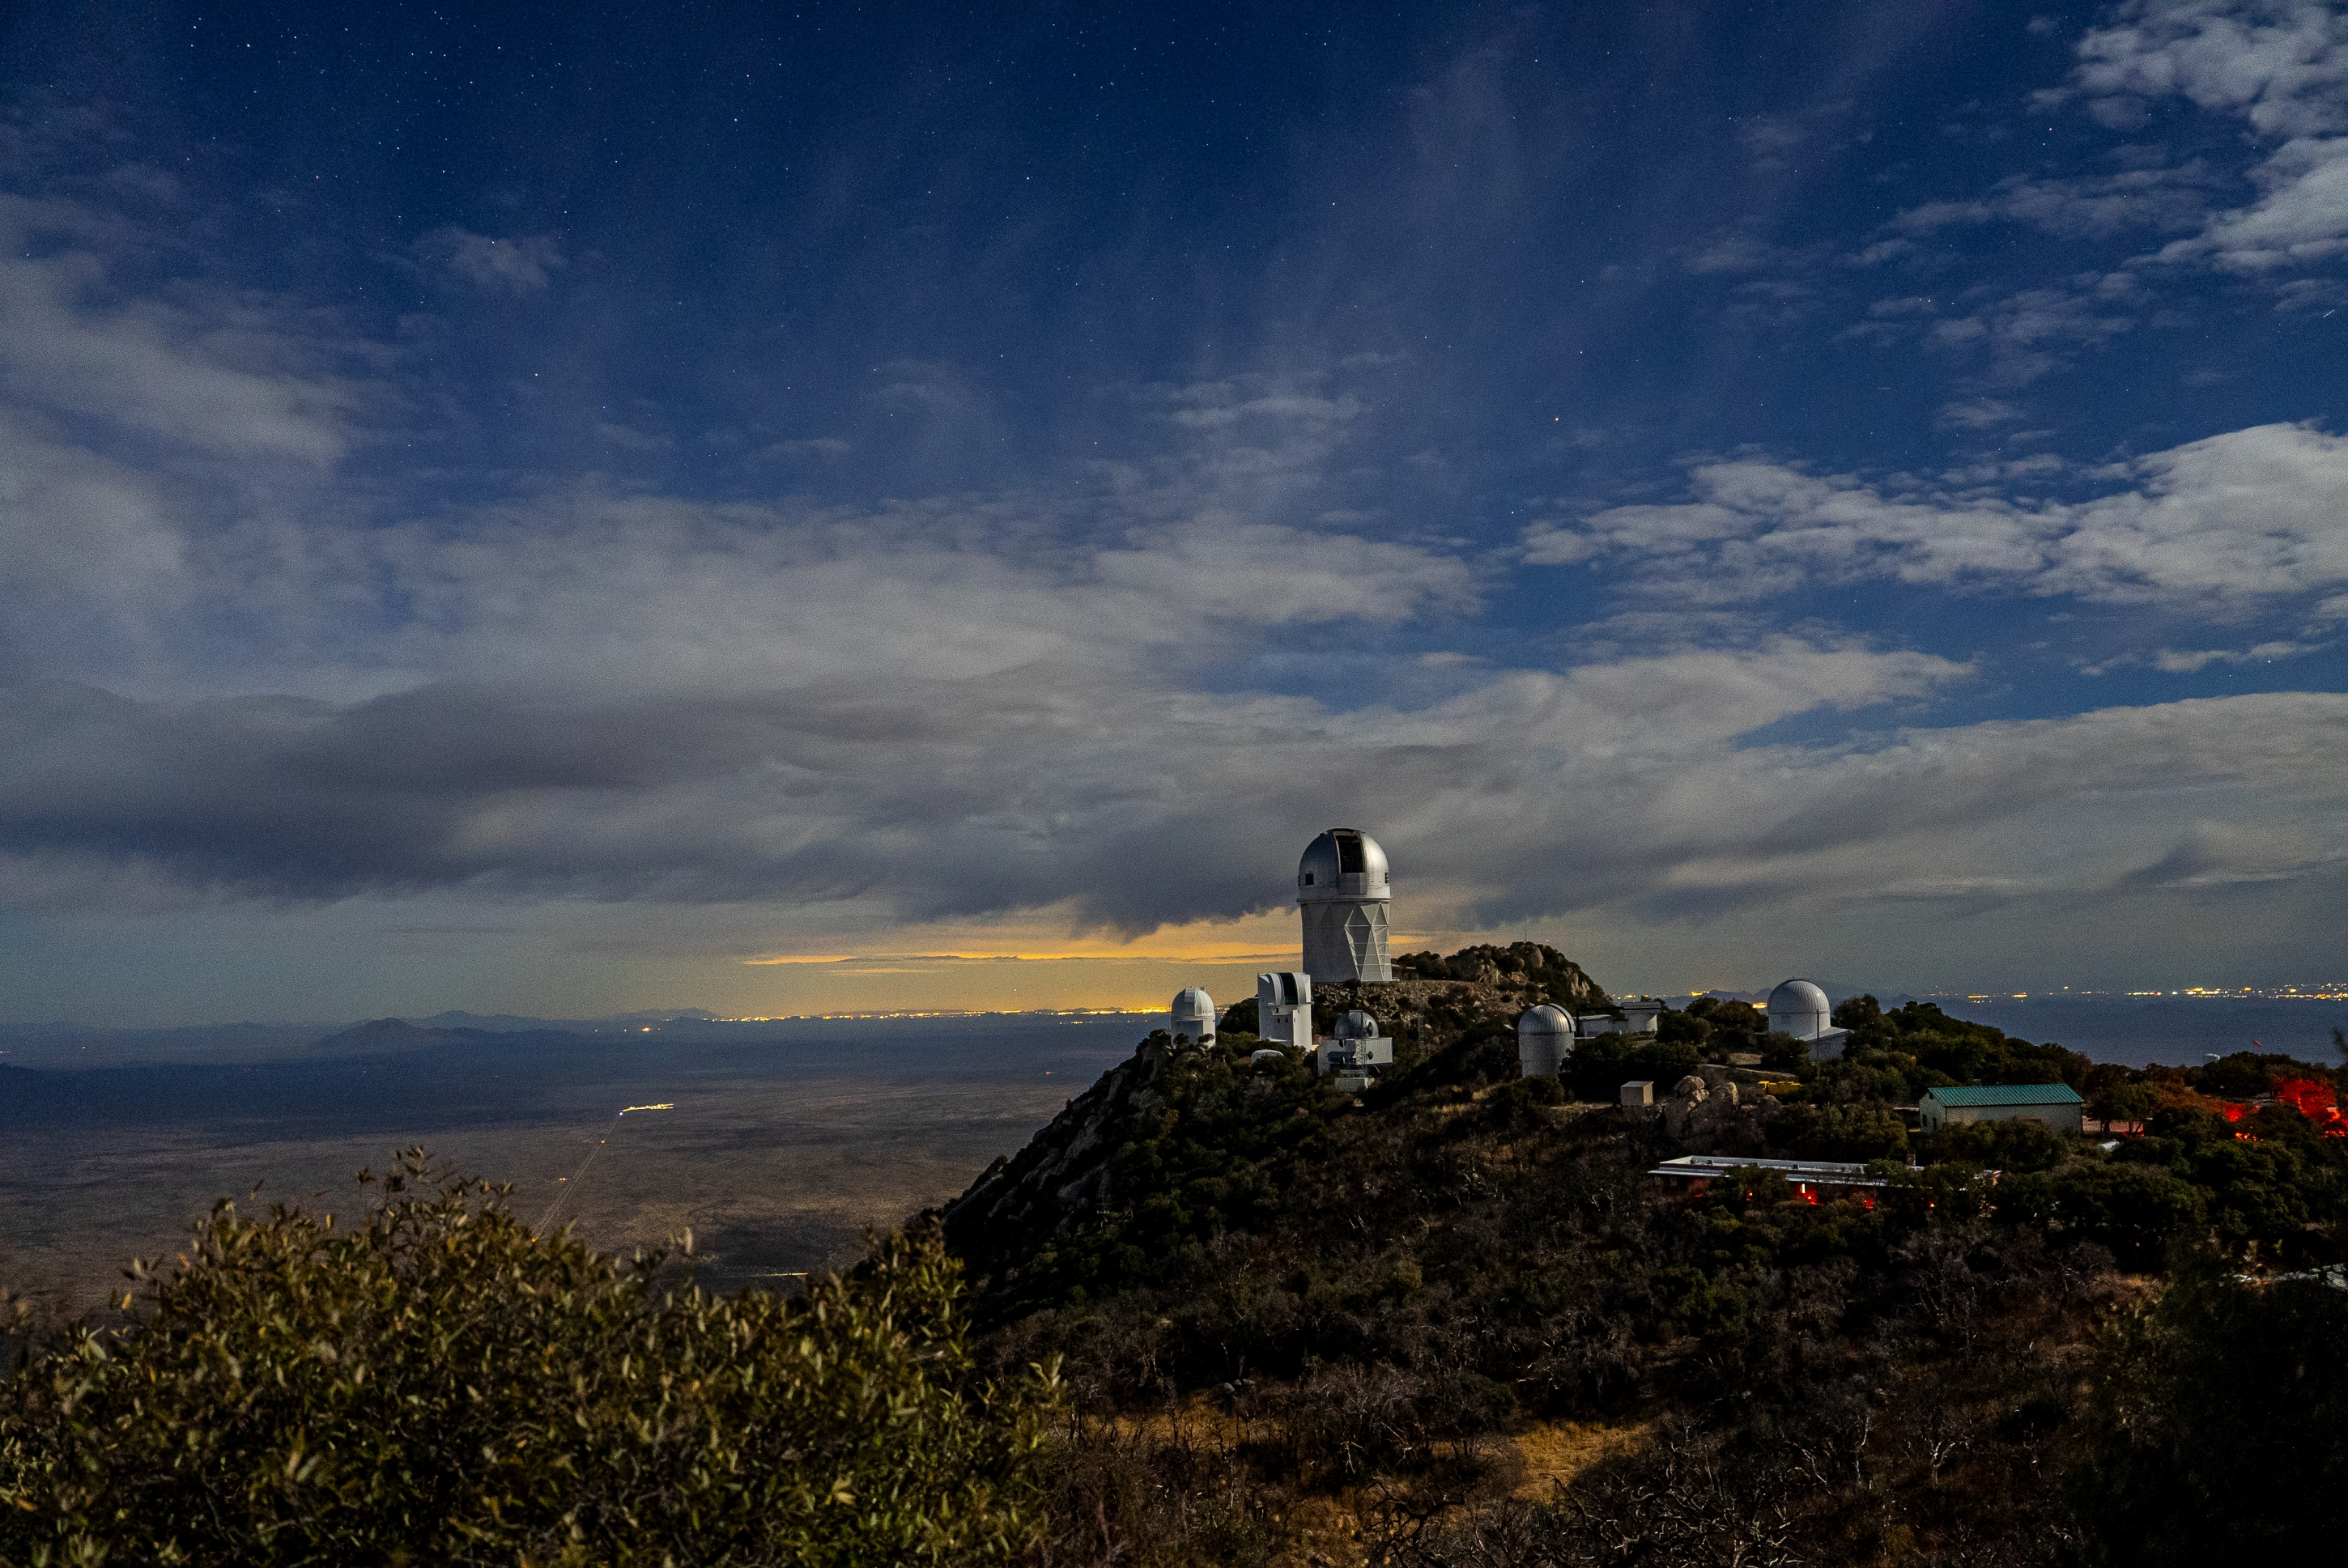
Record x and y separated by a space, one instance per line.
1856 489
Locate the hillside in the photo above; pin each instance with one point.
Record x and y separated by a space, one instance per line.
1452 1319
1218 1312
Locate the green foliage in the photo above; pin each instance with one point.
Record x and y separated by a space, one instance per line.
2018 1143
1857 1013
1861 1130
2247 1074
2226 1438
1520 1104
1182 1146
1678 1027
1726 1013
1783 1053
432 1385
1484 1053
1961 1052
1600 1067
2137 1212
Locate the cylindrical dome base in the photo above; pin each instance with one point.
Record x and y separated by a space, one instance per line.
1346 940
1544 1040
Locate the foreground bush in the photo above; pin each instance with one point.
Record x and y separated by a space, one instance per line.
432 1385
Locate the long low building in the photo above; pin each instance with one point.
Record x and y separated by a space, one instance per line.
2057 1105
1807 1177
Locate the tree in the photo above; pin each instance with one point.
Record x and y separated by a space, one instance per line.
2227 1440
2127 1106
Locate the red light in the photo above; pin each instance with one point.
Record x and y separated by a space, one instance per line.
2311 1097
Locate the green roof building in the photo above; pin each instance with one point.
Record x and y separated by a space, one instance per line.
2056 1104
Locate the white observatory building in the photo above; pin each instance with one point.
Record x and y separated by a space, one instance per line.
1283 1009
1341 887
1800 1009
1544 1040
1194 1014
1356 1047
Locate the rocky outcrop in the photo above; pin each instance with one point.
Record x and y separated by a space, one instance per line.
1718 1111
1453 1004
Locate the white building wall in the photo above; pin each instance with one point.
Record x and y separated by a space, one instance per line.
1283 1007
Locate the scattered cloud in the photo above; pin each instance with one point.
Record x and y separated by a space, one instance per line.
2301 218
2026 335
1978 413
2081 208
2249 514
821 448
2282 65
2183 662
523 265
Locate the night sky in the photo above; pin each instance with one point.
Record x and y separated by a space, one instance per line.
553 508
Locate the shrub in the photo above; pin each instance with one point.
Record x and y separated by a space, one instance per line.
1600 1066
2227 1435
432 1384
2012 1143
1859 1131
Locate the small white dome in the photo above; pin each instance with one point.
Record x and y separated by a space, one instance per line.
1194 1013
1342 863
1357 1025
1258 1057
1799 1008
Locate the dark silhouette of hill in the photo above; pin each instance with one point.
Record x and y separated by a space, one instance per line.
387 1034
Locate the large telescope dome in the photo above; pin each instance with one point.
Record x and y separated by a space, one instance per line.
1342 863
1342 893
1799 1008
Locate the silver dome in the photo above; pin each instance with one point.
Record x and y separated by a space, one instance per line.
1342 863
1357 1025
1546 1019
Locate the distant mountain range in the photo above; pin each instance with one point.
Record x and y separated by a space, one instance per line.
75 1045
504 1022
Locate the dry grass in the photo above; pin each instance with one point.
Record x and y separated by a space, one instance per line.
1553 1454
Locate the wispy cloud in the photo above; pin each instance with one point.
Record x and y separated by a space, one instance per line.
216 370
2247 515
525 265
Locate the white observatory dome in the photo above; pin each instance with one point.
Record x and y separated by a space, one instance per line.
1357 1025
1799 1008
1194 1013
1544 1040
1342 863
